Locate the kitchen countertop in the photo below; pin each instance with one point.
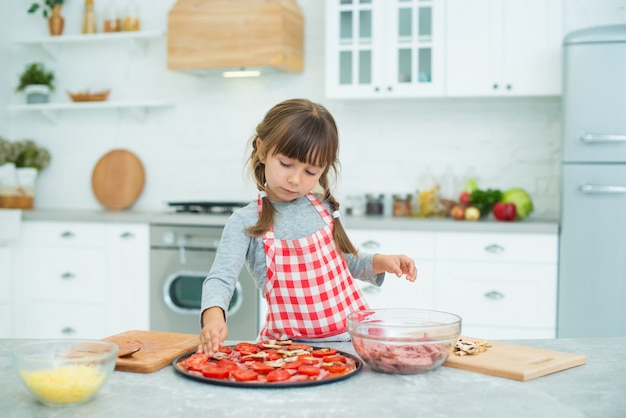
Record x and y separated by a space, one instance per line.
595 389
534 226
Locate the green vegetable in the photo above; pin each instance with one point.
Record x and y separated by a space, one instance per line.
522 201
484 200
471 185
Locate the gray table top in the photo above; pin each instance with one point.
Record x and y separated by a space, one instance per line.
596 389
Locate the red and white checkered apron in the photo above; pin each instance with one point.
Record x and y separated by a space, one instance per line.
309 289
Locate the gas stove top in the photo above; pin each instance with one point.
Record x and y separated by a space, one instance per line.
206 207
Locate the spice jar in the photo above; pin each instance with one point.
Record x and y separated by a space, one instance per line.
112 22
401 205
131 18
374 205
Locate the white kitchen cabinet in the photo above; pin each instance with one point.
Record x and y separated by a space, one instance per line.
503 47
502 285
10 225
82 279
384 48
398 292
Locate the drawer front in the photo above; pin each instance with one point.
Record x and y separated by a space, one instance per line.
54 320
520 295
541 248
399 293
414 244
74 234
72 276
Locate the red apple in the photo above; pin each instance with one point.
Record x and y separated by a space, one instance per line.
464 198
504 211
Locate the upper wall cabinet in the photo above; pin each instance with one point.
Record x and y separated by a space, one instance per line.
503 47
385 48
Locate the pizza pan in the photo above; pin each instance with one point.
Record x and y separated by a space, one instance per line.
223 382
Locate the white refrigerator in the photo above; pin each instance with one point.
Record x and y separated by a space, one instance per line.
592 264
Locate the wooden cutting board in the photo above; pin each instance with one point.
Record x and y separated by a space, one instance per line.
118 179
515 361
158 349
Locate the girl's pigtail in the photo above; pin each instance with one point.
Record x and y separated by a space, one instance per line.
266 220
339 233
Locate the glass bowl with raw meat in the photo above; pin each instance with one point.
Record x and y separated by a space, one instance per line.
404 341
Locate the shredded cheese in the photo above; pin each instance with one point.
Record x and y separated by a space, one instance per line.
66 384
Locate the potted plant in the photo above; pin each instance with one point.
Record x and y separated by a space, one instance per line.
51 10
20 163
37 83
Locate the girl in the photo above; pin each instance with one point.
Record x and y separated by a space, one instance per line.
292 239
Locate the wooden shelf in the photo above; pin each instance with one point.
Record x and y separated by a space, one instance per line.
50 110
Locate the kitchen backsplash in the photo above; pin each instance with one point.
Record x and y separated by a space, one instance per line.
196 148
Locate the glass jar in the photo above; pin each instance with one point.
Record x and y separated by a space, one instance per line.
112 22
131 21
89 19
402 205
374 204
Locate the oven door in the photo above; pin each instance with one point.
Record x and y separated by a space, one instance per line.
176 292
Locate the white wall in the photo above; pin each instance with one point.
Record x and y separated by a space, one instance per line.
196 149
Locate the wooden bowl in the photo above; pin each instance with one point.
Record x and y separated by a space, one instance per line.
86 96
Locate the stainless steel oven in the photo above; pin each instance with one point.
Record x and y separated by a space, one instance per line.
180 259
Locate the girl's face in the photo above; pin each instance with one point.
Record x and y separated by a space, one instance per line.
288 179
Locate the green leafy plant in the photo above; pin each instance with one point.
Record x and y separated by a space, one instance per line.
24 153
36 73
46 7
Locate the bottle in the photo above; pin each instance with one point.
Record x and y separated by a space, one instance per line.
89 20
374 205
131 17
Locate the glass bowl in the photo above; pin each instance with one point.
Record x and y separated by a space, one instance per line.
64 372
404 341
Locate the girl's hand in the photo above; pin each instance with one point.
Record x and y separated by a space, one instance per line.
395 264
214 331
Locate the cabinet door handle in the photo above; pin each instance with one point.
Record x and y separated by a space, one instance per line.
494 249
67 235
68 331
494 295
591 138
495 86
68 275
371 245
595 189
127 235
371 290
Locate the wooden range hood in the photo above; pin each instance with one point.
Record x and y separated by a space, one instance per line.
206 35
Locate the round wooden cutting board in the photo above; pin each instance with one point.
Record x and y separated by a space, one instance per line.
118 179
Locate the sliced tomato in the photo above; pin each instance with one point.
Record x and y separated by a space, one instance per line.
278 375
228 364
215 372
261 367
306 359
272 354
226 350
337 357
245 375
247 348
292 364
196 361
309 370
299 347
335 367
323 352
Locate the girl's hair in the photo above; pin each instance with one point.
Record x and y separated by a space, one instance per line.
305 131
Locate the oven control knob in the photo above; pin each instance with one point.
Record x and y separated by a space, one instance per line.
169 238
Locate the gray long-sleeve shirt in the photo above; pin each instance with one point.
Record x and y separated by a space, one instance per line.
294 220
